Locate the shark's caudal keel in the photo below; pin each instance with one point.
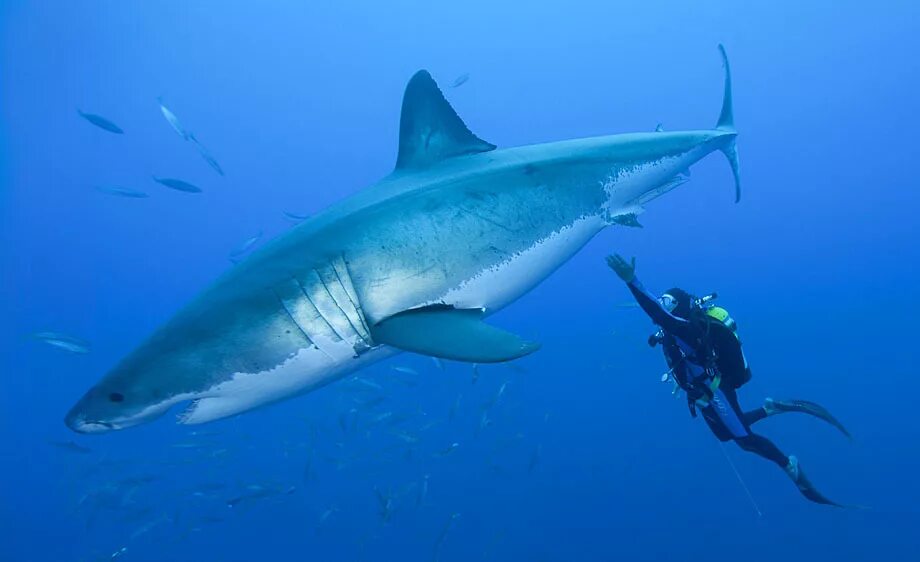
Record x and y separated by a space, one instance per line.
416 262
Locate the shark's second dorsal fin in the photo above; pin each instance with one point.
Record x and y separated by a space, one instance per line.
429 128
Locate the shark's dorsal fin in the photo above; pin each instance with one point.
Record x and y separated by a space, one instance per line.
429 128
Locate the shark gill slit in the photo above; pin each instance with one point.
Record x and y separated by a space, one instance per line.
293 318
354 301
342 310
338 330
319 313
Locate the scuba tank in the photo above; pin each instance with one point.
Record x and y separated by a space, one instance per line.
721 340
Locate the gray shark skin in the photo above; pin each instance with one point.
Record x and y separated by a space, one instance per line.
459 230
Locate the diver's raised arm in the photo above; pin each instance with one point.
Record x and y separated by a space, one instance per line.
626 270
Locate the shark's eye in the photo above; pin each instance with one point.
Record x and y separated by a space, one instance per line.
117 397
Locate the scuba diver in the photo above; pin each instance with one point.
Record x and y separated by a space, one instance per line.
704 354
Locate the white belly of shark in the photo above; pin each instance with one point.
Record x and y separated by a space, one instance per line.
305 370
497 286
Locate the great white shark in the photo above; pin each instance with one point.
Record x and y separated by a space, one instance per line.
456 232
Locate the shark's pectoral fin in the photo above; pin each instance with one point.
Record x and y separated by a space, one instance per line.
429 128
450 333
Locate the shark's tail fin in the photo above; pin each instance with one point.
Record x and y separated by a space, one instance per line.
727 123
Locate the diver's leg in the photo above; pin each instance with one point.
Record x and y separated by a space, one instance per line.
724 410
760 445
747 418
754 416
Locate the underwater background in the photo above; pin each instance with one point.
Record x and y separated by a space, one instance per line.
575 453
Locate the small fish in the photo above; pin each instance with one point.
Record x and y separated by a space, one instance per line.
347 420
508 442
534 459
438 363
450 449
204 433
136 515
443 536
386 505
381 417
454 408
177 184
119 552
207 157
422 492
71 446
408 380
308 472
429 425
296 217
517 368
405 370
258 492
407 437
475 372
121 191
372 403
63 341
367 383
398 419
135 481
494 400
101 122
188 445
246 245
173 120
484 421
460 80
327 514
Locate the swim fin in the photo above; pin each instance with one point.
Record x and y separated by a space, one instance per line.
804 485
773 407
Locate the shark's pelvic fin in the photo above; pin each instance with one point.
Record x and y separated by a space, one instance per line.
727 123
450 333
429 128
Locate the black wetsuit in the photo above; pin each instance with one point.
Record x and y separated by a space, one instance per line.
685 349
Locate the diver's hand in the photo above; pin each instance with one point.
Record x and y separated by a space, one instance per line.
625 270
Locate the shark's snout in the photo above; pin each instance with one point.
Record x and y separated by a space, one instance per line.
78 420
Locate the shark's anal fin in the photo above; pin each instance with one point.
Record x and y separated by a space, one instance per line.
429 128
450 333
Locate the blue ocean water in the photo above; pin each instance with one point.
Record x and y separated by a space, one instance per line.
581 453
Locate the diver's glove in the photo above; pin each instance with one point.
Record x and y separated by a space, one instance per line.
625 270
